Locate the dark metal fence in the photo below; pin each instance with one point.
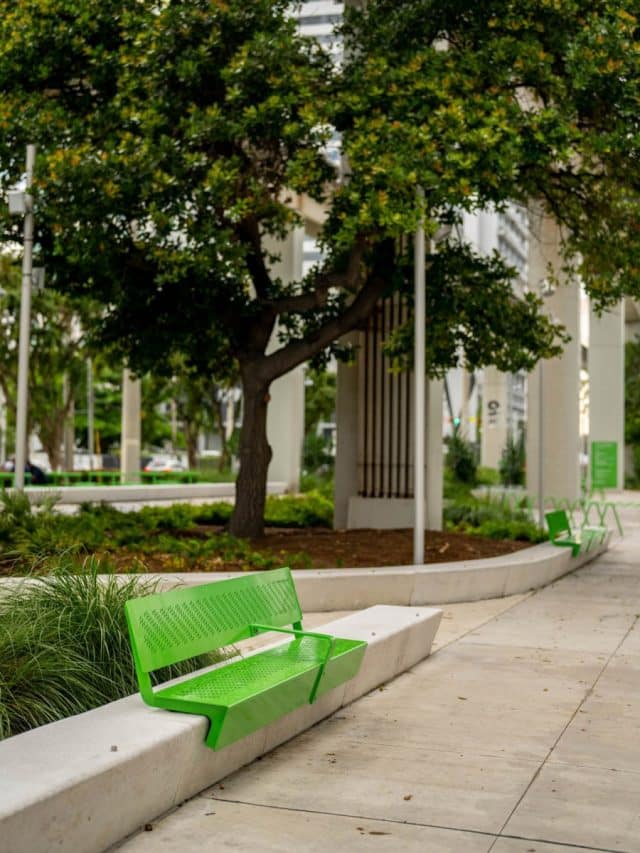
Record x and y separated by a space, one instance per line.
385 457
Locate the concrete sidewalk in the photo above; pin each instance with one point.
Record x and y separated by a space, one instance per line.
520 734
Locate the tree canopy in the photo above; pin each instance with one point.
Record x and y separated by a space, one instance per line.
175 138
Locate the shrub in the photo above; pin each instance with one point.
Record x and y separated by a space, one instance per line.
64 647
34 540
321 483
494 518
312 509
487 476
519 531
316 454
512 462
461 458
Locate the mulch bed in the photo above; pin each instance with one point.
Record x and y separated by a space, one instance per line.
362 548
327 549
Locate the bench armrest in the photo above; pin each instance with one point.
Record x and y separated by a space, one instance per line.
297 633
331 640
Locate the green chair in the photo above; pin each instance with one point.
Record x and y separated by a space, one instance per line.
243 695
560 533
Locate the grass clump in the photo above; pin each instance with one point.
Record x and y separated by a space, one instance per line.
64 647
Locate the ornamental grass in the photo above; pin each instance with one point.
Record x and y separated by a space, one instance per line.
64 646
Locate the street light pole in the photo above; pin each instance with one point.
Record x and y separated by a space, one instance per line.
25 328
541 444
90 414
419 380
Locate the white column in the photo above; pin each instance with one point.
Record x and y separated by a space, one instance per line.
130 432
606 381
285 416
495 413
69 438
434 455
285 429
559 396
495 398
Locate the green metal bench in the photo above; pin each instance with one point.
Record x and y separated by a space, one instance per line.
601 511
560 533
7 479
243 695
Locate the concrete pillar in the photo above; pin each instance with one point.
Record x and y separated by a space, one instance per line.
352 510
285 417
346 467
130 431
606 381
495 395
495 414
554 385
465 393
285 429
434 455
487 232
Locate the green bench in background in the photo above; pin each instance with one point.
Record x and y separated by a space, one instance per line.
156 477
7 478
243 695
560 533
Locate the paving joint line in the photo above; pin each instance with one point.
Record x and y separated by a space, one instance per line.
419 824
587 695
526 597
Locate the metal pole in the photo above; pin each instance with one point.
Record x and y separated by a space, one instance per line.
419 389
69 433
90 413
25 330
541 445
3 429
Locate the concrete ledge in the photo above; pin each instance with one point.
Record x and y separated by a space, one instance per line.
87 782
142 492
324 590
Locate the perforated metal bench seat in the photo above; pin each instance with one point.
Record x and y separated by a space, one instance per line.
560 533
243 695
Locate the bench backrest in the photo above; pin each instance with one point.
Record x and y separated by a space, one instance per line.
169 627
557 523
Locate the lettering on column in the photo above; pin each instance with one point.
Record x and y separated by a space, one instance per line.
493 413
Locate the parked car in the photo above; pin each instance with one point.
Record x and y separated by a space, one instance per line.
164 463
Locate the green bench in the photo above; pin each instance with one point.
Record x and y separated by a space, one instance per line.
243 695
7 479
560 533
156 477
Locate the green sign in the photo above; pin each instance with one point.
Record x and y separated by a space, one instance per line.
604 464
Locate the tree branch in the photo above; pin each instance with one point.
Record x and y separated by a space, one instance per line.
324 282
299 351
248 232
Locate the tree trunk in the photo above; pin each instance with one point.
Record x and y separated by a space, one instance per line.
255 454
191 434
51 439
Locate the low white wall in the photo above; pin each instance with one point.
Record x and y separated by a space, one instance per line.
85 783
381 513
323 590
142 492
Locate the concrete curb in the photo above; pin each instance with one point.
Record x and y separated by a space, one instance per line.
148 492
325 590
85 783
